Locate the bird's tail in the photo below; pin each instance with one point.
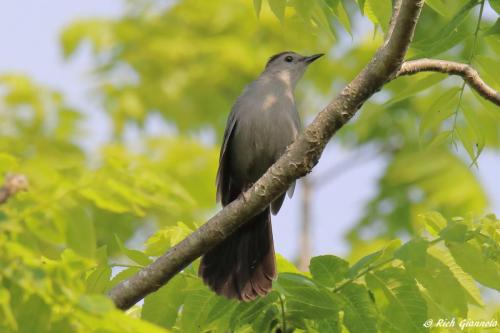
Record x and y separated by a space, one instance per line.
243 266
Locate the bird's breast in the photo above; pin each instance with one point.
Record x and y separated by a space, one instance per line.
263 132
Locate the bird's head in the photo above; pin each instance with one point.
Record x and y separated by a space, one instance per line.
289 66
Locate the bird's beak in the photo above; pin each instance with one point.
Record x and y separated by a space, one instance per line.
310 59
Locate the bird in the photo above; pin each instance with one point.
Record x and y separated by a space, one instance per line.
262 123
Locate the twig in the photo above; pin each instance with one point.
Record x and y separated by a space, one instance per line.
13 183
283 317
460 97
469 75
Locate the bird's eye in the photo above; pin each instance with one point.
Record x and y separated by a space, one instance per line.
289 59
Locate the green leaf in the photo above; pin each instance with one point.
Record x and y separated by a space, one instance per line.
257 5
440 140
439 6
494 29
80 233
379 12
398 295
101 255
266 320
375 258
359 311
447 37
474 123
285 266
413 252
416 86
475 263
122 276
96 304
8 163
304 8
495 4
166 238
6 311
328 269
136 256
321 15
195 310
106 201
330 325
98 32
341 14
434 222
361 5
248 312
278 8
439 111
463 278
305 299
98 280
221 309
162 307
455 232
441 285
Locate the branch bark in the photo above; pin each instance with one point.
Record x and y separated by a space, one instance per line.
298 160
469 74
13 184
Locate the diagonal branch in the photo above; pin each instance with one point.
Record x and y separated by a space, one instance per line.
298 160
469 74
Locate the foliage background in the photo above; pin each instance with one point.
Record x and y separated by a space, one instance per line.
136 152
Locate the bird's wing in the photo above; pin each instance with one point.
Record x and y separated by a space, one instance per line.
298 124
223 177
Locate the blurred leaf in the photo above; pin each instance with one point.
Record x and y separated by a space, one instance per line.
96 304
7 163
6 310
134 255
454 232
80 232
448 36
98 280
379 12
278 8
416 86
439 6
439 111
285 266
122 276
257 4
166 238
495 4
435 222
495 29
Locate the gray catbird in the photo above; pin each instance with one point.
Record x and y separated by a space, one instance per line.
262 123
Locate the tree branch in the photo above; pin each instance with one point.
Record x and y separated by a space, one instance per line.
469 74
13 184
297 161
